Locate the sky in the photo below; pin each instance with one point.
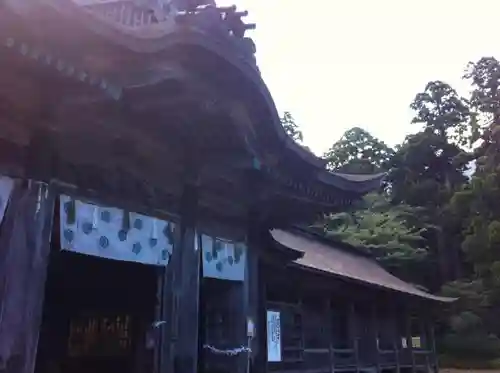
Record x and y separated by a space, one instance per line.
339 64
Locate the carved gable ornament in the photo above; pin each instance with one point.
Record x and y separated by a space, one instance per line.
144 18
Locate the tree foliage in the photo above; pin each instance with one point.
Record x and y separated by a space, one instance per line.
478 203
431 218
426 169
442 112
477 206
358 152
291 127
431 160
484 76
430 167
392 233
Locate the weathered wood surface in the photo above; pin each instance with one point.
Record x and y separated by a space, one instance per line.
186 288
251 305
296 293
24 254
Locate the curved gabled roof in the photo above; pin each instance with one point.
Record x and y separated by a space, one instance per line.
359 184
346 264
156 38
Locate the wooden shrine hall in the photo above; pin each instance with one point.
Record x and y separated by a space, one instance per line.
149 205
341 311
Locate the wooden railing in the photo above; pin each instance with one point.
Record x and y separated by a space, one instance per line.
394 350
128 14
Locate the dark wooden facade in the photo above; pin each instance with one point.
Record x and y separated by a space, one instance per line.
157 108
341 311
331 324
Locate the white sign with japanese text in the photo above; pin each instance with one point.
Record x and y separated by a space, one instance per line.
273 336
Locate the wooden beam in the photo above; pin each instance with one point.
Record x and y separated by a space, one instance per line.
12 157
40 156
20 90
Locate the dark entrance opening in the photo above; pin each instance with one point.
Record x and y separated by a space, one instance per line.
96 316
222 325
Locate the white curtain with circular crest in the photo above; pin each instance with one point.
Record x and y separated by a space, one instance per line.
113 233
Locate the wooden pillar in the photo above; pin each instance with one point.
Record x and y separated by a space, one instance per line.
354 327
432 336
255 282
329 314
425 341
410 340
169 288
396 343
260 362
165 314
301 309
375 332
24 255
186 288
251 290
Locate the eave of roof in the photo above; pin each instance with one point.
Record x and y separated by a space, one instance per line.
359 184
334 261
155 40
64 68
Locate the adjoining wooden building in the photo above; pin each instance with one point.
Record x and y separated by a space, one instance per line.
341 311
147 195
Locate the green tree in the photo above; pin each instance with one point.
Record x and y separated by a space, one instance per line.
426 170
429 167
484 76
388 231
393 234
478 203
442 111
358 152
474 326
291 127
